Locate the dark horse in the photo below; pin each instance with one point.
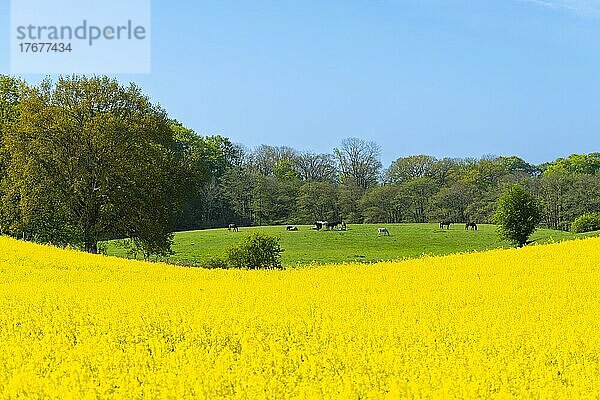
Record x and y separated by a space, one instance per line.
332 225
445 224
233 227
471 225
326 225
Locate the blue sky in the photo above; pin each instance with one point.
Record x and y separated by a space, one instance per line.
447 78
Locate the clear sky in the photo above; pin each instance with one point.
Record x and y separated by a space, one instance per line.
442 77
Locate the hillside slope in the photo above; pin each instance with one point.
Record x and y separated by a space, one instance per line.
521 322
359 244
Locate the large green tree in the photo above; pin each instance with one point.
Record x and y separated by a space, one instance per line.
517 215
91 159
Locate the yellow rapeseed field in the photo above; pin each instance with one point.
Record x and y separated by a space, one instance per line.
508 323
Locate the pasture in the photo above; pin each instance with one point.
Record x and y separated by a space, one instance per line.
517 323
358 244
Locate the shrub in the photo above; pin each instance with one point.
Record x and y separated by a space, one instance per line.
586 223
256 252
213 263
517 215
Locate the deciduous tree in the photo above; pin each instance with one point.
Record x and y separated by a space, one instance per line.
517 215
90 160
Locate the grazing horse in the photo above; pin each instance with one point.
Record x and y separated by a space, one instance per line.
445 224
332 225
233 227
320 224
291 228
471 225
383 231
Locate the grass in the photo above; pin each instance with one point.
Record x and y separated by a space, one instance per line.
359 244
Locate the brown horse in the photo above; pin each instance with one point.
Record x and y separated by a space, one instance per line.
446 224
332 225
471 225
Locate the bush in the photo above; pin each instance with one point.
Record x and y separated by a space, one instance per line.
214 263
586 223
256 252
517 215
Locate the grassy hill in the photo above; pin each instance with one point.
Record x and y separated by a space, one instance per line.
360 243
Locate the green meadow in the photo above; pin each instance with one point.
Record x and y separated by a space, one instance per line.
360 243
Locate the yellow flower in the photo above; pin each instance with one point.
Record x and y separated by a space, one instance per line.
513 323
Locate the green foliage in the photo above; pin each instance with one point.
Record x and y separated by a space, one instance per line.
11 93
348 198
575 164
566 196
204 163
405 169
485 174
515 164
419 192
91 159
284 171
236 186
214 263
258 251
273 200
452 202
385 204
517 215
586 223
318 201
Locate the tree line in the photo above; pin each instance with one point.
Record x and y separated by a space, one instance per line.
84 160
277 185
